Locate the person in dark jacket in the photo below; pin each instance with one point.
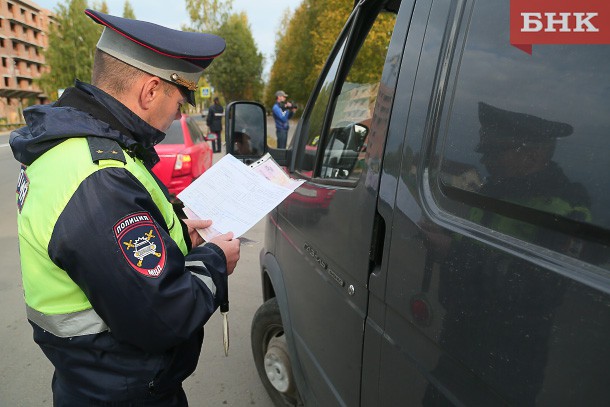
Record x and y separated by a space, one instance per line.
214 122
117 287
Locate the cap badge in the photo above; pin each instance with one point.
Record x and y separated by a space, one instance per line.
190 85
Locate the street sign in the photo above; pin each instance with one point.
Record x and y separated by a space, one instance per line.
205 93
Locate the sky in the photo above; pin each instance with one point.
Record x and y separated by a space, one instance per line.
264 16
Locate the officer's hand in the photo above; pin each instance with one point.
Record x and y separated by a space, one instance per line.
230 247
193 225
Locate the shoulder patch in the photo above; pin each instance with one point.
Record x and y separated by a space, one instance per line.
105 149
141 244
23 186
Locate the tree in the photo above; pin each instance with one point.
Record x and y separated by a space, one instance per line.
237 73
101 7
301 50
72 41
293 56
128 11
208 15
373 51
330 18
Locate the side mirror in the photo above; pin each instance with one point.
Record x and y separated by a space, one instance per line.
246 133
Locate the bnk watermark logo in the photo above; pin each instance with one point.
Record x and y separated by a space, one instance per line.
559 22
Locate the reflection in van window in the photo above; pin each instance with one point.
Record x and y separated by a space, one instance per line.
345 145
316 118
539 150
248 134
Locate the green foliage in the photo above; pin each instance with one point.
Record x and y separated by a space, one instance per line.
102 6
331 16
128 11
238 71
208 15
373 51
69 55
303 46
293 57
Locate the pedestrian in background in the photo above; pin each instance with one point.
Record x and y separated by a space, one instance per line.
214 122
282 112
117 286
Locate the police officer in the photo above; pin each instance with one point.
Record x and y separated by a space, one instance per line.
214 122
117 287
517 150
507 304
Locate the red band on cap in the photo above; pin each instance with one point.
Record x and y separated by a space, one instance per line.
102 22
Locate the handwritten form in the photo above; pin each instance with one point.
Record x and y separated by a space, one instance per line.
236 196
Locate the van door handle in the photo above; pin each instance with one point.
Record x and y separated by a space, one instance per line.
377 242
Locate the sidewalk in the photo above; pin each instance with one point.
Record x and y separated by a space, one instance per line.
4 138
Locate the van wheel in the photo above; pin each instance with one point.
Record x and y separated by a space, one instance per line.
271 356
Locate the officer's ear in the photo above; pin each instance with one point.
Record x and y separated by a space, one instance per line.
151 89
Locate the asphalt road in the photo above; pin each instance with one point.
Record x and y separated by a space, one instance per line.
25 376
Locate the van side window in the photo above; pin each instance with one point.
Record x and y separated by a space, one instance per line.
307 158
345 145
523 148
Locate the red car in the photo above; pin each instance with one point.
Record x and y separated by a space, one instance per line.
184 154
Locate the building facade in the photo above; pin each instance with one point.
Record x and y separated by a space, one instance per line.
23 37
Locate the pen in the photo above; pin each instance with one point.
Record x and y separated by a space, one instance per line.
224 310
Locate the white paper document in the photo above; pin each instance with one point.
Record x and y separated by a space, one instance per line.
236 196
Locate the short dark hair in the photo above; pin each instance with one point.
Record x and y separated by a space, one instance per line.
113 75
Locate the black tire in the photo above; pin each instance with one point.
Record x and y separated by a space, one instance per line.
267 327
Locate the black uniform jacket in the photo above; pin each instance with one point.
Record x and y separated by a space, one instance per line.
155 324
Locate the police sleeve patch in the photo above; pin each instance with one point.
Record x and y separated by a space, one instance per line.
141 244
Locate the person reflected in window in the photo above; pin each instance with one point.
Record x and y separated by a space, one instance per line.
517 150
242 144
500 309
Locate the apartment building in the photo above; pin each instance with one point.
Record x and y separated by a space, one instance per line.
23 36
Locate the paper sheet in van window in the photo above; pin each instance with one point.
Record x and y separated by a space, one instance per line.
235 196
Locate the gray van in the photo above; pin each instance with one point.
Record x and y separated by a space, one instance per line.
450 245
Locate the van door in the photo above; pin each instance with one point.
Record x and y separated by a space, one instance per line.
498 270
326 226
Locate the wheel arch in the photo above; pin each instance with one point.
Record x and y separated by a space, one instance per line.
274 287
